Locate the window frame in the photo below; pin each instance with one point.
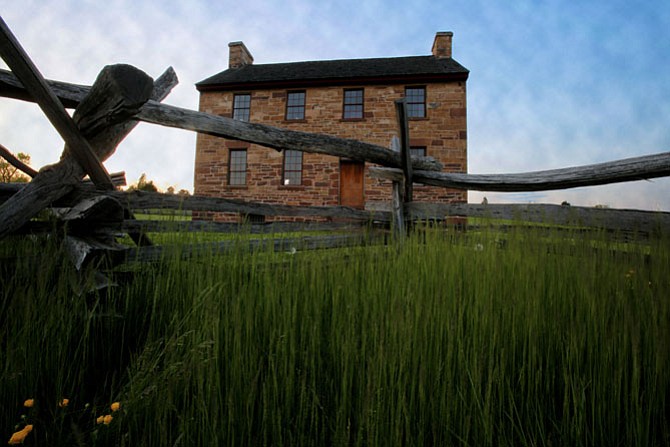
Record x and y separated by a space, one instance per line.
290 108
410 102
234 170
292 170
355 105
247 108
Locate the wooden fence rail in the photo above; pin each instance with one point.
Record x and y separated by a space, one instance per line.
625 170
606 218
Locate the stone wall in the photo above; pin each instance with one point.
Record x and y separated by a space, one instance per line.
443 133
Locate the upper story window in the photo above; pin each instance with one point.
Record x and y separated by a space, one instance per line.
353 104
292 168
237 167
241 106
416 102
295 106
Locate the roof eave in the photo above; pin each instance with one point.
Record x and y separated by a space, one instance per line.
335 82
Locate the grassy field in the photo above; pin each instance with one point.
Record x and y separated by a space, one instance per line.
479 339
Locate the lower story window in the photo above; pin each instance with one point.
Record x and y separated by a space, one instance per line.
417 151
292 168
237 168
253 218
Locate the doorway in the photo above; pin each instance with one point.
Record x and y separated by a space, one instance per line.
352 184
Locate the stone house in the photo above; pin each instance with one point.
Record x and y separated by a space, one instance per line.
352 98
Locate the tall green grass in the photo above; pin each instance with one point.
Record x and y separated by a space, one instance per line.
523 338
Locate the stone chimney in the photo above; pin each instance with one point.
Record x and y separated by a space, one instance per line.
442 44
239 55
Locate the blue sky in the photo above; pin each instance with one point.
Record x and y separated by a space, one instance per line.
552 84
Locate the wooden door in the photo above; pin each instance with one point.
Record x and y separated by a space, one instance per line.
351 183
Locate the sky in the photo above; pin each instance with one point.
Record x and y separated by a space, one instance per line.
553 83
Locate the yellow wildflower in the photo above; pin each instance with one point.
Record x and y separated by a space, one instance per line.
107 419
29 403
100 420
115 406
63 403
20 436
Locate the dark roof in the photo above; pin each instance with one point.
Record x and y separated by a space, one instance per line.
338 72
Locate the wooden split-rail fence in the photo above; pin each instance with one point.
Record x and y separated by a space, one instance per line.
94 212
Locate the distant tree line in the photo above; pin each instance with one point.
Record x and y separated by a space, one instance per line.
143 184
11 174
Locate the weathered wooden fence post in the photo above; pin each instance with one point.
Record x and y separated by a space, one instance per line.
405 152
100 122
397 193
402 192
108 104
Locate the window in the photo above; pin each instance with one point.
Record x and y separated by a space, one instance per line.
295 106
252 218
353 104
416 102
292 168
417 151
241 107
237 168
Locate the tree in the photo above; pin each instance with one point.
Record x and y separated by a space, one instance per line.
143 185
181 192
9 173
